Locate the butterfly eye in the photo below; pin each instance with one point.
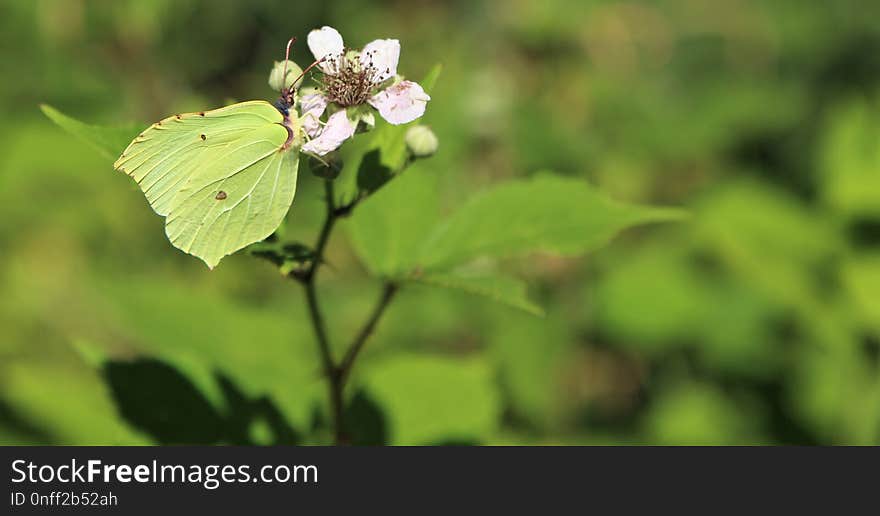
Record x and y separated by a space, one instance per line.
220 195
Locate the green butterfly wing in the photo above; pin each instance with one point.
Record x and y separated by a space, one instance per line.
223 179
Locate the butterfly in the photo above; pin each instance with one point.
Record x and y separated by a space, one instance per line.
223 179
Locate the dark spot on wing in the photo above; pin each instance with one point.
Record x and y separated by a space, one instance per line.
201 113
202 136
178 116
220 195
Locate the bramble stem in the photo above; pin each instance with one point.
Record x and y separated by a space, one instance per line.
309 281
388 292
317 319
337 374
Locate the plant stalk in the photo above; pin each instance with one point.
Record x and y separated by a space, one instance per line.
337 375
328 364
388 292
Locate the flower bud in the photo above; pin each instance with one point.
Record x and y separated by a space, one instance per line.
275 79
421 141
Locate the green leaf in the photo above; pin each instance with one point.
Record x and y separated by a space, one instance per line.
731 322
109 141
287 256
372 174
861 278
502 289
51 403
534 359
365 421
849 158
695 414
202 333
765 221
433 400
157 399
838 392
548 213
387 229
430 80
395 231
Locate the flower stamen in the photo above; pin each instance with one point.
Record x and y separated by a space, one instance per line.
347 82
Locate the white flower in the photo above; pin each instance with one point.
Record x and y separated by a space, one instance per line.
355 78
312 106
401 103
338 129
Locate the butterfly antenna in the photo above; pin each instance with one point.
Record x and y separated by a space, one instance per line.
304 72
290 42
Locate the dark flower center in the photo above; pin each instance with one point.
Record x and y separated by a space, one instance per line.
349 83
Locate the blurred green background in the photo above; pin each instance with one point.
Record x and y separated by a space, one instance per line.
757 321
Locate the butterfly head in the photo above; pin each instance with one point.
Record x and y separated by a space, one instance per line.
283 105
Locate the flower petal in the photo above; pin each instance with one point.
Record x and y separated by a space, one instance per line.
326 42
312 107
401 103
383 54
338 129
